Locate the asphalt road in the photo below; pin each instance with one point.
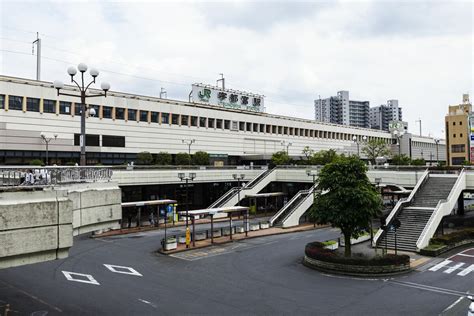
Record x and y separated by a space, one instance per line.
255 276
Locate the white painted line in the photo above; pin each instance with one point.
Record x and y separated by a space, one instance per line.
467 270
440 265
464 255
428 288
147 302
452 305
70 277
454 268
130 271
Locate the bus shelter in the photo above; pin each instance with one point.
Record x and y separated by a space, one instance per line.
273 196
141 205
231 210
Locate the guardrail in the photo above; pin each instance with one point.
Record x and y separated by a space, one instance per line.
400 204
290 204
29 176
442 209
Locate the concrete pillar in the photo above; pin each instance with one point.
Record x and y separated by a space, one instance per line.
461 204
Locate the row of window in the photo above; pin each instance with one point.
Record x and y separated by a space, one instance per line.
422 144
107 140
458 148
119 113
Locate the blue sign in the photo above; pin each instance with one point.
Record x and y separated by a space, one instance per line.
472 137
170 208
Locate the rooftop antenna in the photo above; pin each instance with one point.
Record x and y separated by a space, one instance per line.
38 55
223 81
163 93
419 121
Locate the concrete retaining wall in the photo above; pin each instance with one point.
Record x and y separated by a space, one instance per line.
35 226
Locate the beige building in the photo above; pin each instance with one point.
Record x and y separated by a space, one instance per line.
458 132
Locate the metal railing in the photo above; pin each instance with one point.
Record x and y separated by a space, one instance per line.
41 176
298 202
291 205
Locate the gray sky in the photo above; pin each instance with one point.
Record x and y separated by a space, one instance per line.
419 52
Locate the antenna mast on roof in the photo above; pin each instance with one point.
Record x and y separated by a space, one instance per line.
38 55
223 81
163 93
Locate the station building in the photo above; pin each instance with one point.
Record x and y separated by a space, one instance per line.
125 124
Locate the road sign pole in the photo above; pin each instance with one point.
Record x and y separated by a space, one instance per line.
395 241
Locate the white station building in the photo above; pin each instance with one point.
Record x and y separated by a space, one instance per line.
230 125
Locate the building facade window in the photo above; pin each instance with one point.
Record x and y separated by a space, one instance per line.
119 113
113 141
154 117
184 120
219 124
194 121
33 105
165 118
458 148
107 112
210 123
49 106
175 119
64 107
91 140
202 122
132 114
2 101
15 102
226 124
143 116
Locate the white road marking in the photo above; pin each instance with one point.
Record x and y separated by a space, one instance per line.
113 268
440 265
429 288
70 277
454 268
467 270
147 302
453 304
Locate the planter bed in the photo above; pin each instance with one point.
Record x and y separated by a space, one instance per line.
356 240
200 236
264 225
239 229
216 233
444 248
317 257
254 227
226 231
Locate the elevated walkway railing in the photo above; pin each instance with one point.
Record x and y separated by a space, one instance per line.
289 207
443 208
41 176
400 205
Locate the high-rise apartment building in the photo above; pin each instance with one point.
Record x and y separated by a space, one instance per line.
341 110
458 143
380 116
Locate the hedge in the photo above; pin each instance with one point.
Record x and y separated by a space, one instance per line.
316 250
454 237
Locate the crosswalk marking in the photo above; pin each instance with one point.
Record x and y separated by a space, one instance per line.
440 265
467 270
454 268
86 278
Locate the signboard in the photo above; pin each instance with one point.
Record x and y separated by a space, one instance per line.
471 138
231 99
188 236
398 126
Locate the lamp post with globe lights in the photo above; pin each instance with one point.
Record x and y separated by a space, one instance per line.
58 85
354 138
47 140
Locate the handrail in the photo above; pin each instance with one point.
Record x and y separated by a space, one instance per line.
287 205
430 227
307 193
402 202
257 179
224 196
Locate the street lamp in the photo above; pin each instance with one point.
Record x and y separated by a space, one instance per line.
240 177
398 135
58 85
183 177
189 142
287 145
47 141
354 138
437 143
313 173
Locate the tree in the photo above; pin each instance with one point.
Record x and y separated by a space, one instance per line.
163 159
402 160
201 158
375 148
418 162
346 199
144 158
36 162
182 159
307 152
323 157
280 158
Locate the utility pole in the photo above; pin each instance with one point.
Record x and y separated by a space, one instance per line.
38 56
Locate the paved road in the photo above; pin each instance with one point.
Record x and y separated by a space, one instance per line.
255 276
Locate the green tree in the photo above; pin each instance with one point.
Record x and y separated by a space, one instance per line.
182 159
36 162
163 159
402 160
281 158
144 158
375 148
346 199
323 157
201 158
418 162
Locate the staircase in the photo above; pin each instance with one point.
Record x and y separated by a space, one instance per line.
299 203
230 198
415 213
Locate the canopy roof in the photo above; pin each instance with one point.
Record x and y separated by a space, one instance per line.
152 202
213 211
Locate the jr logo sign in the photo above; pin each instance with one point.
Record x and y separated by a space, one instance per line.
205 95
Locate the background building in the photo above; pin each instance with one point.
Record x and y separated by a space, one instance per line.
458 132
380 116
341 110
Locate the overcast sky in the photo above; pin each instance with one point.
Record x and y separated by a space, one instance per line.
419 52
